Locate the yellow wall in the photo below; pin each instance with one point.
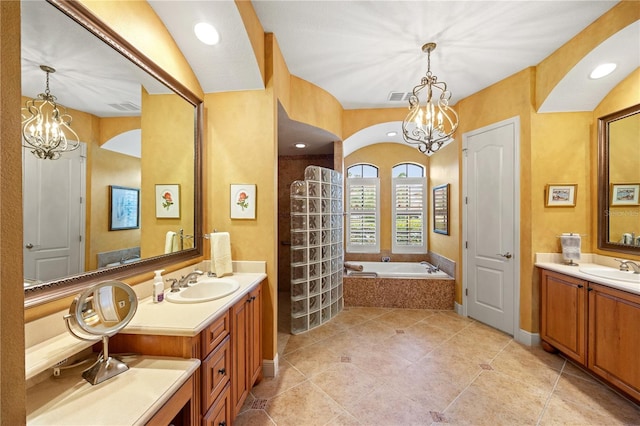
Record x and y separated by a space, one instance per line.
167 158
12 383
443 169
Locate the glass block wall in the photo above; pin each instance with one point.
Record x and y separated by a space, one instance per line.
316 248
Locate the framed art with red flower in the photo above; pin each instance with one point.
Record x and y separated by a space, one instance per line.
243 201
167 201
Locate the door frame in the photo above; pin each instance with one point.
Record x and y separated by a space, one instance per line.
518 333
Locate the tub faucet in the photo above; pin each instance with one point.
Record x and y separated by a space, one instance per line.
190 278
625 264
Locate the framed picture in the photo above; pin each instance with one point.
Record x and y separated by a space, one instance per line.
561 195
167 201
243 201
624 194
441 209
124 208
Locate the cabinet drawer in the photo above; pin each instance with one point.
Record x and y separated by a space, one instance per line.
214 334
220 412
215 373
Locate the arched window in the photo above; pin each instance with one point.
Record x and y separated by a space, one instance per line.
410 208
363 209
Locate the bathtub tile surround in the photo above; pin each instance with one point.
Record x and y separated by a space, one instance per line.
316 248
398 367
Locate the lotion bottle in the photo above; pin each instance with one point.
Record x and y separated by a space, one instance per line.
158 287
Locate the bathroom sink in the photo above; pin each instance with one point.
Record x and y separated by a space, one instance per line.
612 274
204 291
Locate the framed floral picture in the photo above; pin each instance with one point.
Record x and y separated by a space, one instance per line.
624 194
243 201
167 201
561 195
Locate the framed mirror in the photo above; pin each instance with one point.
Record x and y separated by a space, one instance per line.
619 181
441 209
140 102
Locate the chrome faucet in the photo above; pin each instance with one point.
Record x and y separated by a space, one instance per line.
190 278
625 264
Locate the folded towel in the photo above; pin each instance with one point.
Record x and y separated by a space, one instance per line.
170 242
221 263
353 267
570 246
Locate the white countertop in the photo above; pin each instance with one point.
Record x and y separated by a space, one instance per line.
574 271
71 400
187 319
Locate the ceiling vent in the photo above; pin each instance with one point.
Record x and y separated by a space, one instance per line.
125 106
399 96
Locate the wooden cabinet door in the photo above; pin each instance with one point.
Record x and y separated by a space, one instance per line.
239 366
614 337
255 335
563 314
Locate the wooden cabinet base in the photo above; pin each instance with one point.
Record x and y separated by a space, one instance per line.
548 348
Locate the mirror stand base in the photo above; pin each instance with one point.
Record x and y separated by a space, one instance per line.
103 370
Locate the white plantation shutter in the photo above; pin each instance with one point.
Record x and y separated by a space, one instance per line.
363 215
409 215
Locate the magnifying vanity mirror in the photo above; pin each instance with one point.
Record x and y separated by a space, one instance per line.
619 181
98 313
116 97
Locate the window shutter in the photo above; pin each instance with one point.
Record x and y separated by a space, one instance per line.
363 215
409 215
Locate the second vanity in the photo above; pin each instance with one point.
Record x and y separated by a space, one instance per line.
592 319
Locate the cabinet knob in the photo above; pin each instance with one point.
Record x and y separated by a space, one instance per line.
222 371
580 286
253 298
223 423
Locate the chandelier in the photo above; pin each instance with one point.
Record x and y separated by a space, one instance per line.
46 127
431 125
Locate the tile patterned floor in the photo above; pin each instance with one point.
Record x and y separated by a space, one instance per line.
399 367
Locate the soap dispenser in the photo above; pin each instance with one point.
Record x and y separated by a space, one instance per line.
158 287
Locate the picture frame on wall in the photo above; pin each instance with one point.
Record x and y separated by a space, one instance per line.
168 201
625 194
243 201
124 208
561 195
441 209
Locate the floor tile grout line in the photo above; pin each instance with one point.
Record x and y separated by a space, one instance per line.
553 389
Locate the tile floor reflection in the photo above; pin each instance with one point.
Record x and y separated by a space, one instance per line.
399 367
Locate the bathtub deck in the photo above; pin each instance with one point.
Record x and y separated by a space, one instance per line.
399 293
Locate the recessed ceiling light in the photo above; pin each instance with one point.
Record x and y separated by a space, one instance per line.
602 70
206 33
390 134
301 145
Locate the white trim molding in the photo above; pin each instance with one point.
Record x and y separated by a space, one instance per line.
527 338
270 367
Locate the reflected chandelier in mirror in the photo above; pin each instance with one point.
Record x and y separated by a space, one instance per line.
619 181
158 91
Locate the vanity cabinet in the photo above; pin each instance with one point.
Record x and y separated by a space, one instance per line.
230 351
614 337
595 325
247 347
563 314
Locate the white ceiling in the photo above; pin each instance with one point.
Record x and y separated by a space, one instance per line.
360 52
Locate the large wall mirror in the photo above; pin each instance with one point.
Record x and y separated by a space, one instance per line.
128 200
619 181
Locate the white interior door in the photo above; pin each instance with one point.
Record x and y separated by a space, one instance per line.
491 224
53 194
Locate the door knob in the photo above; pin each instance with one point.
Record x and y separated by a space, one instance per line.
507 255
29 246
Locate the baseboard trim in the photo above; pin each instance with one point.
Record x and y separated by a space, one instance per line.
270 367
527 338
458 308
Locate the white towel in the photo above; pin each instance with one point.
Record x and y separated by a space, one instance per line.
221 264
170 243
570 246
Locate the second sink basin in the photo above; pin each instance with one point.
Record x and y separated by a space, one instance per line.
612 274
204 291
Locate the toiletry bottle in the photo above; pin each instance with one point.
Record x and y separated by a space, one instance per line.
158 287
